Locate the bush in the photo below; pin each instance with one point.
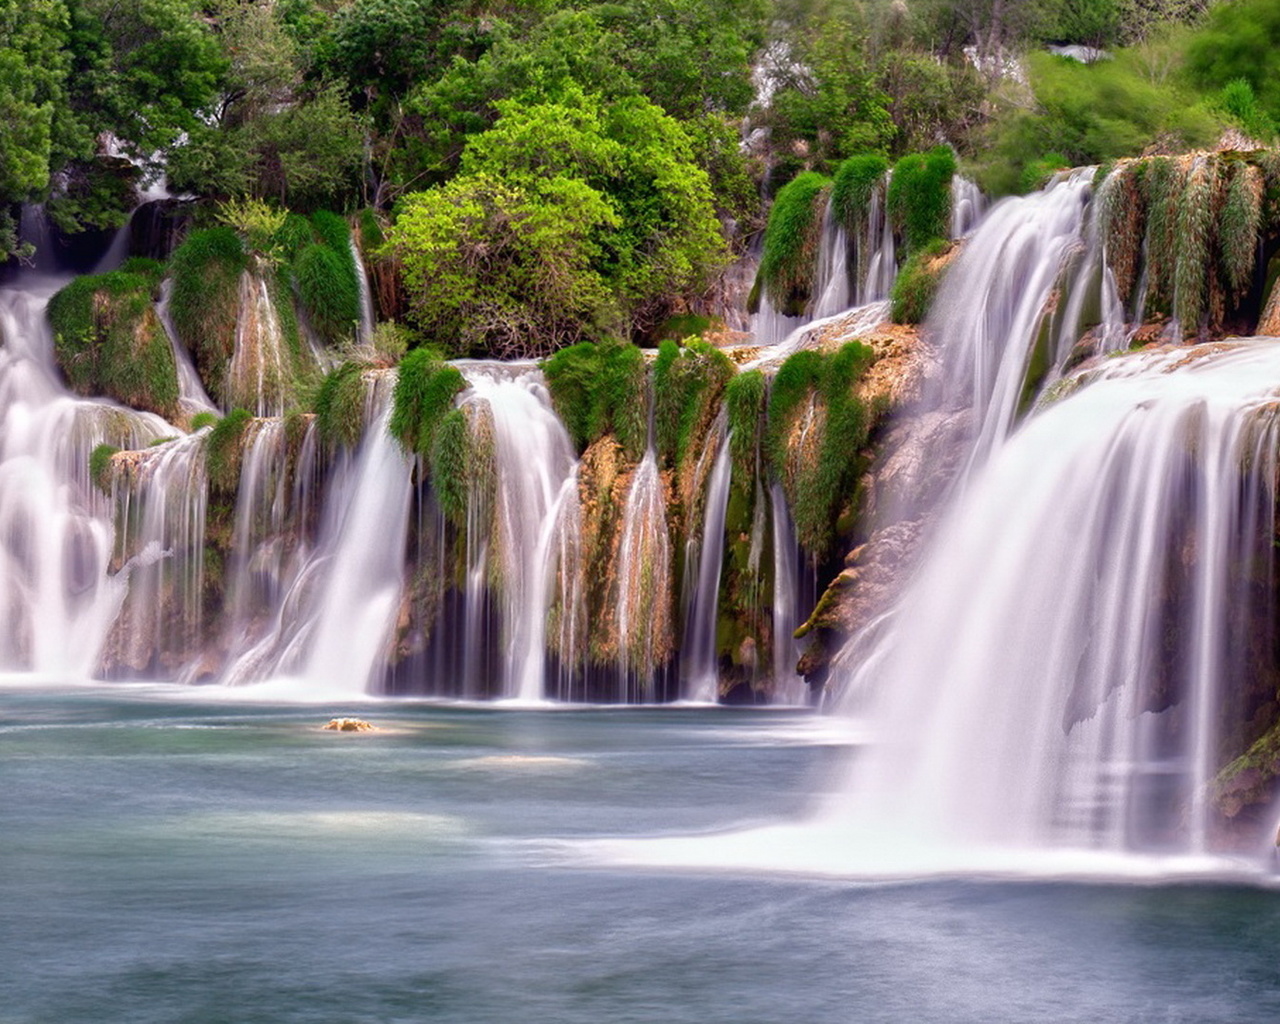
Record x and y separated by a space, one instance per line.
206 271
224 448
919 197
100 466
745 401
109 341
819 480
328 292
451 457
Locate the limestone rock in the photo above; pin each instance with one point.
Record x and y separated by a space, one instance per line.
350 725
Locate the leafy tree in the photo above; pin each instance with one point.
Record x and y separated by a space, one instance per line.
1240 40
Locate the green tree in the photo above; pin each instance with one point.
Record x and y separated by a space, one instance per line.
1240 40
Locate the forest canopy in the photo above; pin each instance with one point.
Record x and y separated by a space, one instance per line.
544 172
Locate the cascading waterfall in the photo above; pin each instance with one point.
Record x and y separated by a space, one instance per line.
192 396
701 676
877 263
334 625
56 536
993 315
1058 668
644 583
162 508
258 375
789 685
534 517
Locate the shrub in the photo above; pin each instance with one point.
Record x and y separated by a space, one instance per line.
340 405
745 401
916 285
100 466
206 271
109 341
451 458
819 479
328 291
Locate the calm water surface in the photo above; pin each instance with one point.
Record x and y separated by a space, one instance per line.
165 858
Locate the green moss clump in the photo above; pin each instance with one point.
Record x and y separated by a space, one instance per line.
1195 222
855 181
203 419
224 447
745 401
206 271
294 235
371 233
919 198
109 341
1239 225
424 394
451 458
340 405
1162 185
791 240
328 293
687 384
600 387
916 285
819 479
100 466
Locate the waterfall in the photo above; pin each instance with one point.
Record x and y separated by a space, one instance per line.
877 257
192 396
967 206
534 515
994 312
644 583
333 626
161 512
701 677
56 537
364 333
260 369
788 685
1058 671
831 276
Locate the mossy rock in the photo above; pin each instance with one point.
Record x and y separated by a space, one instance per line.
205 300
109 342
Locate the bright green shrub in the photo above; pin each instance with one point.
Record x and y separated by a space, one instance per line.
687 384
424 394
916 285
855 181
206 271
600 387
340 405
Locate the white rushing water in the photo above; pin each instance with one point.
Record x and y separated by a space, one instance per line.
701 671
644 581
535 502
56 537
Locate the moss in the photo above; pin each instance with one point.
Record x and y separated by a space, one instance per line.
1239 225
294 235
1162 185
328 292
1249 780
1037 173
1121 222
206 271
223 450
791 241
919 197
916 285
371 233
745 402
819 477
685 325
1195 223
100 466
600 388
424 394
203 419
451 462
340 404
109 341
855 182
688 381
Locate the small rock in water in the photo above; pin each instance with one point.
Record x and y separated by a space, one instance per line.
351 725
